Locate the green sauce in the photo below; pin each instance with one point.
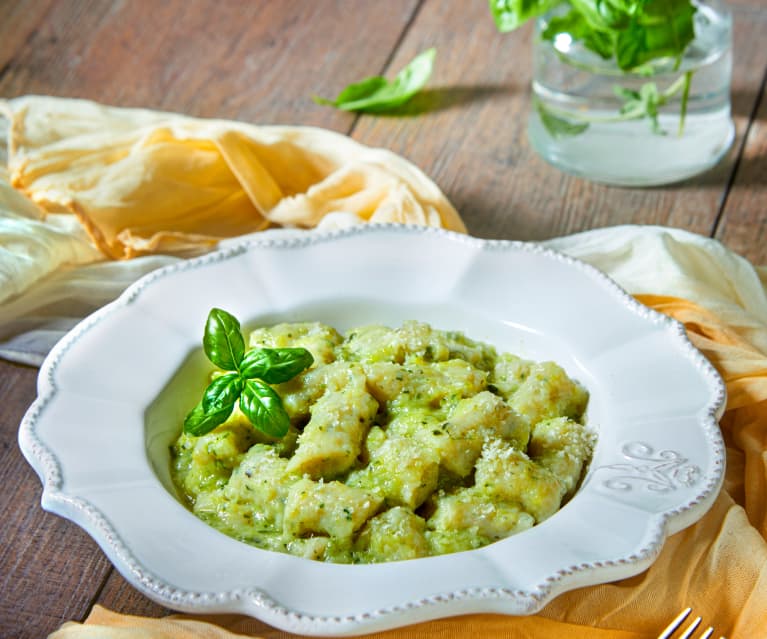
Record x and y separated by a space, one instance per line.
404 443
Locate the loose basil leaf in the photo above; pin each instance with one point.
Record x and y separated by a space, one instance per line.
223 342
376 94
510 14
357 91
215 406
263 407
275 365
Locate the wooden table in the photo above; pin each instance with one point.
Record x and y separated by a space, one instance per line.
262 62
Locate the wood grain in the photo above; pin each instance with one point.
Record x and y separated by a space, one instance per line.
262 62
743 226
256 61
470 135
18 21
49 568
118 594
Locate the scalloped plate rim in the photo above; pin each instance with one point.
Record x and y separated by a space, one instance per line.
258 603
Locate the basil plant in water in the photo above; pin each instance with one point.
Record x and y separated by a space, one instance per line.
645 83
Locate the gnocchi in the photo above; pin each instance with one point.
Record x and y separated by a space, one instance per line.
404 442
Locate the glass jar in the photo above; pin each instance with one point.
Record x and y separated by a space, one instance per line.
661 123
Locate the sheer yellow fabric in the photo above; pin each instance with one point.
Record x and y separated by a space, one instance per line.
145 182
718 565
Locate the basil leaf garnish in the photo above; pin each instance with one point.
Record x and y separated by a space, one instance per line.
216 405
263 407
223 342
248 379
222 392
198 422
275 365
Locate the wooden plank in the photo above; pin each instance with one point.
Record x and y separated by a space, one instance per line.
262 62
743 219
119 595
18 21
50 570
743 225
257 61
468 133
254 61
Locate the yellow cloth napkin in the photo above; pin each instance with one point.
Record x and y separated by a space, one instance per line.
145 181
120 183
718 565
87 185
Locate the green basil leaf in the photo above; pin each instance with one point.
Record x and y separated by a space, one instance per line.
592 13
652 101
376 94
198 422
617 13
223 342
275 365
574 24
357 91
663 28
625 93
215 406
263 407
222 392
556 126
511 14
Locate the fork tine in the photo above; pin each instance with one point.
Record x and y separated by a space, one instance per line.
672 627
687 634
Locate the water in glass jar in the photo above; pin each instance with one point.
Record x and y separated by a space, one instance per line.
582 119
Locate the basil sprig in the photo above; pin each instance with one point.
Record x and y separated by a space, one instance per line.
633 32
247 379
377 94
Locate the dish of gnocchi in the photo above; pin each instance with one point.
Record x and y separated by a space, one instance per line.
403 443
548 431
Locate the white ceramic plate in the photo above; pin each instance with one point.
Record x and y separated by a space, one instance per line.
113 393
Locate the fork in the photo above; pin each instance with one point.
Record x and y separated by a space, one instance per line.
669 632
